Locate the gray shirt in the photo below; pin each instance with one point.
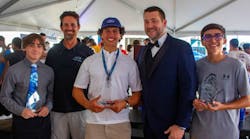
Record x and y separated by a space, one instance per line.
16 83
225 82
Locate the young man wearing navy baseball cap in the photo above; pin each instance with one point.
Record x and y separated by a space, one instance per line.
107 76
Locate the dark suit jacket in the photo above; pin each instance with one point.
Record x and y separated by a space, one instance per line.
169 87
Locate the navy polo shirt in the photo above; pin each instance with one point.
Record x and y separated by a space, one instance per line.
66 63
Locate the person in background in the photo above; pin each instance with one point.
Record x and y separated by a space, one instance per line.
85 40
29 122
146 41
4 52
44 37
2 44
123 50
107 75
3 110
66 57
18 53
141 51
14 57
92 44
245 58
246 47
223 89
137 46
168 75
130 51
225 50
240 55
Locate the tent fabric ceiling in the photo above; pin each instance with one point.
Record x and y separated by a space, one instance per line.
184 17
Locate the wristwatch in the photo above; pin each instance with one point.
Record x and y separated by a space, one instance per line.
127 103
182 128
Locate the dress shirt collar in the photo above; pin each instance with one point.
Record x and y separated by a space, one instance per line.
162 39
108 53
28 63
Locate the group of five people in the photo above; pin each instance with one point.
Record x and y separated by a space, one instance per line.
166 81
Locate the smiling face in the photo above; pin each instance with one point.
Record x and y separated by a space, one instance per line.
213 40
34 50
69 27
110 37
154 25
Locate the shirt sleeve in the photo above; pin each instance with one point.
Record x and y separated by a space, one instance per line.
6 97
82 78
242 80
134 78
49 99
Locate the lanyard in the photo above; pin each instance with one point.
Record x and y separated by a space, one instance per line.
108 73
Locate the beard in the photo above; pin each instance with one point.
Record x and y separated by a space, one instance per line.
68 37
69 34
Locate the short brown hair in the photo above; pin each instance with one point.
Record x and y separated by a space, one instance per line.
72 14
27 40
213 26
154 9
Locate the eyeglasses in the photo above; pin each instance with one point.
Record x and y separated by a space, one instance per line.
37 45
209 37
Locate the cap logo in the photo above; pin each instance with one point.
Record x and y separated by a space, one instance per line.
110 21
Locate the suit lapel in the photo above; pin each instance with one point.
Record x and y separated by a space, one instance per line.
143 63
159 55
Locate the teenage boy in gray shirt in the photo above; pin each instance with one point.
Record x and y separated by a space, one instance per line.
17 94
223 89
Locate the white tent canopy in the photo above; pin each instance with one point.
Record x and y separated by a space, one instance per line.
184 17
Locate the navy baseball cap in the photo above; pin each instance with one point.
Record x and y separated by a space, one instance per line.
111 22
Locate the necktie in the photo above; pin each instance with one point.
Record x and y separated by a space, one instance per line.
156 44
33 96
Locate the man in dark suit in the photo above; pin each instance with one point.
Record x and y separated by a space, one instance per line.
168 75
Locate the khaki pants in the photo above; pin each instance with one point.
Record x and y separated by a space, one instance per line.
69 124
109 131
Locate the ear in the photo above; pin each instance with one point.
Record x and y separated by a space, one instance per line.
225 41
165 22
202 42
78 27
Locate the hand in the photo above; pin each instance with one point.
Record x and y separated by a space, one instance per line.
94 106
199 105
27 113
117 105
175 132
43 111
215 106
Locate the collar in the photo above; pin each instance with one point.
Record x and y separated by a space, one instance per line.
162 39
73 48
110 54
28 63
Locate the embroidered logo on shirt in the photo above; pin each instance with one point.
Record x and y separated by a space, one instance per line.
77 59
